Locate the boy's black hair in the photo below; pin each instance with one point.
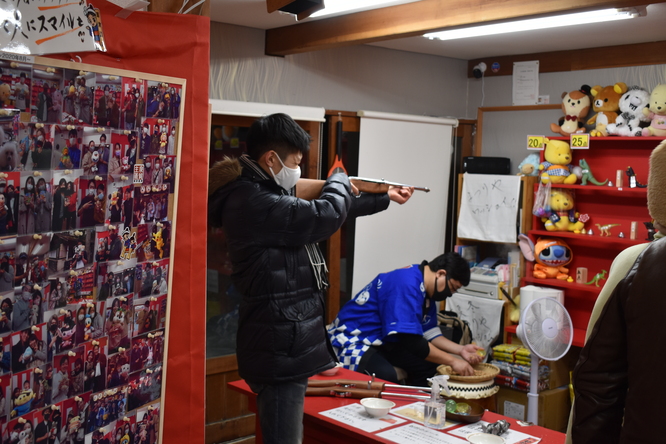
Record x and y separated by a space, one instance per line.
456 267
277 132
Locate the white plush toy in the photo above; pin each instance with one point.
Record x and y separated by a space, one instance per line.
631 115
8 153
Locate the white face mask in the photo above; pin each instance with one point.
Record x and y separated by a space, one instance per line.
287 177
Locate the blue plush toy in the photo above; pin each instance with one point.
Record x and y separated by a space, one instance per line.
529 166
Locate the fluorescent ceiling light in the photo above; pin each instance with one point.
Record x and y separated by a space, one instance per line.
579 18
340 7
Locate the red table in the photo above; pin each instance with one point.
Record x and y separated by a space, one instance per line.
321 429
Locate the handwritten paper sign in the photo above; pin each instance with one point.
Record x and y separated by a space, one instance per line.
412 433
354 415
489 207
510 437
50 27
483 316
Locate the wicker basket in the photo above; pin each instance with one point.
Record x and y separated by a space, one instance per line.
482 372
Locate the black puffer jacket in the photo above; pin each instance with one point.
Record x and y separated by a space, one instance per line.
281 334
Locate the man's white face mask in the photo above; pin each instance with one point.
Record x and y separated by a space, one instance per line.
287 177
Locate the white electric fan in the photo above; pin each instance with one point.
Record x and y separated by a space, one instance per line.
545 328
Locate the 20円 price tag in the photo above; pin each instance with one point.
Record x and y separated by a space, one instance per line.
535 142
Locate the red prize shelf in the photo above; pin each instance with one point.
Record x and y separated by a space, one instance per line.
605 189
591 288
594 239
615 209
578 337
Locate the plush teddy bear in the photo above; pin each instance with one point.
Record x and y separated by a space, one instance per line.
561 214
606 104
8 153
656 112
557 167
5 94
529 166
23 403
125 166
550 255
632 104
575 105
95 160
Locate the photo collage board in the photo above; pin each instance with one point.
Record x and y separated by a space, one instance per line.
87 190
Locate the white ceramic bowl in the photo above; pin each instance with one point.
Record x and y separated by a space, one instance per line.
377 407
332 371
485 438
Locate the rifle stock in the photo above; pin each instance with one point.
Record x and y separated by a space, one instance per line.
310 189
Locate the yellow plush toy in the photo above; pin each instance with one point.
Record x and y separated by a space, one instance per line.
656 112
561 215
557 167
5 94
606 104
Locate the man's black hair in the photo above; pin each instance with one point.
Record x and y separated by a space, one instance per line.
73 132
456 267
277 132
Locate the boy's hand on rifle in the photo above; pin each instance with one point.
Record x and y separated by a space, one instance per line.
400 195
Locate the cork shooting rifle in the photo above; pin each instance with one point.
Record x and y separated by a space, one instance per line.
310 189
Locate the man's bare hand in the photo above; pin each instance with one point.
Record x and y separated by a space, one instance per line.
400 195
469 353
462 368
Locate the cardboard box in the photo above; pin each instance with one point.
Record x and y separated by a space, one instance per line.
554 406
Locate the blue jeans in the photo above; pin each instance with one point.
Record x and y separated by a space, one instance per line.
280 410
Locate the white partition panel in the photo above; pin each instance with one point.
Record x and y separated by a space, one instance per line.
414 150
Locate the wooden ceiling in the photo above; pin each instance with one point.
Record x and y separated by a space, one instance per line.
415 19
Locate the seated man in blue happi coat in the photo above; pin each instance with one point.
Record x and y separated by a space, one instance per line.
392 322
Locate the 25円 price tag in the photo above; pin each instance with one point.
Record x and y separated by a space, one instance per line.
535 142
580 141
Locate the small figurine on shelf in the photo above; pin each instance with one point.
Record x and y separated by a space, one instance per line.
550 255
604 230
561 215
557 168
597 277
587 174
633 183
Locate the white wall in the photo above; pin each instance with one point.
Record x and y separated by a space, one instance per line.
504 133
350 79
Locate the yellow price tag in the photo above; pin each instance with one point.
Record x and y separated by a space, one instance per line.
580 141
535 142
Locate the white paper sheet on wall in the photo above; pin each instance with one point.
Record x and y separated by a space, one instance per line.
483 316
489 207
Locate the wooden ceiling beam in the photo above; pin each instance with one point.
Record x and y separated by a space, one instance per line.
413 19
650 53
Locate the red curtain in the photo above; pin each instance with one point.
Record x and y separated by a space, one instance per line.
175 45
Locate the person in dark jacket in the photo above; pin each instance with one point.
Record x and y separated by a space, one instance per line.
618 394
272 237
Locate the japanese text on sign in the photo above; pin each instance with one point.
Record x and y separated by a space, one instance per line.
49 26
